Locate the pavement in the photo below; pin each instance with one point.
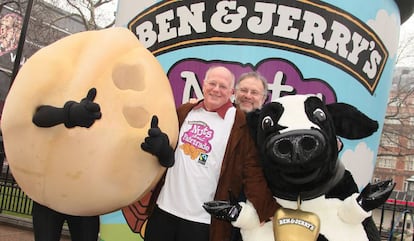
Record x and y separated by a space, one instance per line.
21 229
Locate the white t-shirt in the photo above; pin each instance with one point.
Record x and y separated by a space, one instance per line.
198 157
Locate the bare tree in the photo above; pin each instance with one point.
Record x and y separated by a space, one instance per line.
397 138
405 53
398 132
50 20
55 19
89 11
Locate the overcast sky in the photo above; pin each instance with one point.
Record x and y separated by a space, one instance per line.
407 32
408 26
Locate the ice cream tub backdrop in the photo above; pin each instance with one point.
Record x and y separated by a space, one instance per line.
344 51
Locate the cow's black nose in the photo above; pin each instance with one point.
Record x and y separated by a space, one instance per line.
299 146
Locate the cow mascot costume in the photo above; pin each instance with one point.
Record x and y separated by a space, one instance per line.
297 138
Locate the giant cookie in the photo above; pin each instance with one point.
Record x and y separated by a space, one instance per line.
88 171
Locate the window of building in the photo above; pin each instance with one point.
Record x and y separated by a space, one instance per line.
392 121
388 162
410 143
389 140
409 163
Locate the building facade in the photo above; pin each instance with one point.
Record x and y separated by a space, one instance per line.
395 158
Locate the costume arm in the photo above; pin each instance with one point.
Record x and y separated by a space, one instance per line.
158 144
48 116
72 114
351 212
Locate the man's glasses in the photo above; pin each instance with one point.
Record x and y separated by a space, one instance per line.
246 91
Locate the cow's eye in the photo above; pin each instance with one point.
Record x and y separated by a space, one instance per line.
267 122
319 115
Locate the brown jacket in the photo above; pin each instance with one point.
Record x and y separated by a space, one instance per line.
240 169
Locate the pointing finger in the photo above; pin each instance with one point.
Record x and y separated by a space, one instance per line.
154 122
91 94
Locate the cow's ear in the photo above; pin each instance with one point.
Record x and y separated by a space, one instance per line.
351 123
252 121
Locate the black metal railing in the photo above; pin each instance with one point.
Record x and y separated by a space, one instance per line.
12 198
400 220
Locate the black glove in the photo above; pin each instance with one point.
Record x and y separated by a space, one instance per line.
82 114
158 144
374 195
224 210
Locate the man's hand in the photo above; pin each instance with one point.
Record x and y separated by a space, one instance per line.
82 114
158 144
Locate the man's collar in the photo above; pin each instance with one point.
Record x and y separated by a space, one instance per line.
220 111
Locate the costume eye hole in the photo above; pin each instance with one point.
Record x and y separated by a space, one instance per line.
267 122
319 115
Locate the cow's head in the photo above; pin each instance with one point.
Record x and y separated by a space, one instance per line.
297 138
